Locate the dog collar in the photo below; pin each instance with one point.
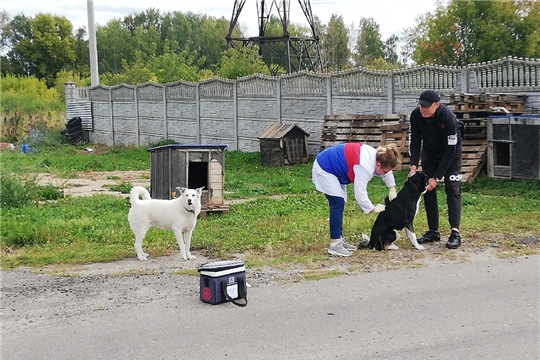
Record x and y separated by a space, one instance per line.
191 211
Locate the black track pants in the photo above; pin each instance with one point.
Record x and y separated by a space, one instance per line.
452 185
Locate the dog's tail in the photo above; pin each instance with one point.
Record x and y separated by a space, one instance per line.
136 192
364 242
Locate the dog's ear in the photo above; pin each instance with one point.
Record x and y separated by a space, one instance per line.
181 190
199 190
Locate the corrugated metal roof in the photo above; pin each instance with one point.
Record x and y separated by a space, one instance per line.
277 131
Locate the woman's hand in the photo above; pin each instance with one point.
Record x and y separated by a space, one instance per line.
392 193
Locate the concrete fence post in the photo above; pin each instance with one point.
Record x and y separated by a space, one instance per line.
278 101
390 93
137 119
329 89
198 110
465 81
165 122
69 91
235 116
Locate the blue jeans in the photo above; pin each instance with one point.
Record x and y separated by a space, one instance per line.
337 205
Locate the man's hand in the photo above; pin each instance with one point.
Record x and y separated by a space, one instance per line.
432 184
412 171
392 193
378 208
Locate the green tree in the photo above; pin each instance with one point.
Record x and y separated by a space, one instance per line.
6 66
41 46
382 64
211 40
369 45
465 32
175 28
115 46
237 63
82 53
334 44
132 74
172 66
390 49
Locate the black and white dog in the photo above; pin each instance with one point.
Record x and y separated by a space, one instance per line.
398 214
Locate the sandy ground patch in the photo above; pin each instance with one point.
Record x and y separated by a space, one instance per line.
91 183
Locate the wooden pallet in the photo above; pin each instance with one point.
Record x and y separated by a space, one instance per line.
483 97
223 209
474 158
356 128
487 106
484 103
379 131
399 135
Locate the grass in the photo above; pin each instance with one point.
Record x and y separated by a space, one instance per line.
282 232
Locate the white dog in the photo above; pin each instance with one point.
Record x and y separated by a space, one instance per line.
179 215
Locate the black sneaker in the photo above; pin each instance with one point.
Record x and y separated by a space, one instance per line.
454 240
430 236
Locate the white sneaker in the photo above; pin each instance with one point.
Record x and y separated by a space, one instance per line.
348 246
339 250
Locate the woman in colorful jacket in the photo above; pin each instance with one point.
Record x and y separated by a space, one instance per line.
354 163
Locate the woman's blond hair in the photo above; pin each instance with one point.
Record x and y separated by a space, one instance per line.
388 155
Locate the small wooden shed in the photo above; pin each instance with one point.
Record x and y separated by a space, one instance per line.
189 166
283 144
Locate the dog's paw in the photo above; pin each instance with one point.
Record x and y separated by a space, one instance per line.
143 258
392 247
420 247
191 257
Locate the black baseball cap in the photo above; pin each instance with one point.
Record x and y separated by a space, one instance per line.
428 97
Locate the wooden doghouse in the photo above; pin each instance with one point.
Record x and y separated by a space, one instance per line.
283 144
189 166
514 146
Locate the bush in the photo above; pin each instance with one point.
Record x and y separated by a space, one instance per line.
16 193
29 95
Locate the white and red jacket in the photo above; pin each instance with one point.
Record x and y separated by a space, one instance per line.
348 163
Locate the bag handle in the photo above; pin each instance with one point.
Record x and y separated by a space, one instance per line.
241 292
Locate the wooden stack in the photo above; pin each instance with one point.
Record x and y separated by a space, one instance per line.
382 129
375 129
399 135
474 110
471 103
356 128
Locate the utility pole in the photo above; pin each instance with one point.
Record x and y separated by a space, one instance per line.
94 72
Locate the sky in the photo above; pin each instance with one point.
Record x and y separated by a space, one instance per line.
392 15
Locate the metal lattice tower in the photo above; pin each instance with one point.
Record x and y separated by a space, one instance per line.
291 53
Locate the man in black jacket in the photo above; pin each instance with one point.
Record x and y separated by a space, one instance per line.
435 130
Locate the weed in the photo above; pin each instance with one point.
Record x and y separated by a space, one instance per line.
123 187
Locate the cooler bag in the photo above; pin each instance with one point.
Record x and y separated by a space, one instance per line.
223 281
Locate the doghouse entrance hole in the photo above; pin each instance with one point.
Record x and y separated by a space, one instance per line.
502 154
198 175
